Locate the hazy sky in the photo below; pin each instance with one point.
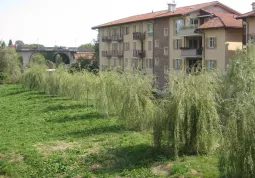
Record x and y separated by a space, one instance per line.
69 22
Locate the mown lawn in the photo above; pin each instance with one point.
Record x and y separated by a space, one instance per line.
46 136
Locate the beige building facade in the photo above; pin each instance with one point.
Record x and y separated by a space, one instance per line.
184 38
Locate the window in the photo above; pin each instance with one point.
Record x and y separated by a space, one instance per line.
212 42
166 32
114 32
126 46
178 24
166 51
156 61
211 64
126 31
102 32
149 45
156 43
193 21
134 46
150 29
177 44
165 69
148 63
177 64
134 28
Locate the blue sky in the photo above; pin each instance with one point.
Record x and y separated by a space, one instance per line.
69 22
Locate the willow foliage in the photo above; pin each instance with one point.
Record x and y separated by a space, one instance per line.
187 121
238 149
10 71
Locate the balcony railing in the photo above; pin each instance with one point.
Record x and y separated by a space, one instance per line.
139 53
138 36
187 52
117 38
106 39
188 30
117 53
107 53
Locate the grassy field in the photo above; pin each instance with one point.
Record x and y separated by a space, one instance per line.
46 136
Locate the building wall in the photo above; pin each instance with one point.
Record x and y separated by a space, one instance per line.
128 55
173 53
233 42
218 53
161 61
250 26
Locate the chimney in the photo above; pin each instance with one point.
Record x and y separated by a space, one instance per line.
172 6
253 6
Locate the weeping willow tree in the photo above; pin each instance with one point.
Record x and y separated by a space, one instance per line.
10 71
187 121
237 158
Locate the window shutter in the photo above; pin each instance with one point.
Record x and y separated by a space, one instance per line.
207 43
180 44
215 42
183 64
174 44
215 64
174 64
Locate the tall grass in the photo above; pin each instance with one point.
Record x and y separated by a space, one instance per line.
238 149
187 121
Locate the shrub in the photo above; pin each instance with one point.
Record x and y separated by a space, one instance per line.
10 71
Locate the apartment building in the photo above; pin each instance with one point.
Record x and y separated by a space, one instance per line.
248 25
177 38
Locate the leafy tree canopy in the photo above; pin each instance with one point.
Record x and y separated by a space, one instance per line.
10 43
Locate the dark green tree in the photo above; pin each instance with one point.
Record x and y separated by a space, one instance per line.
3 44
10 43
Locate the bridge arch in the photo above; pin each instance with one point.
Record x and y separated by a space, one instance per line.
64 56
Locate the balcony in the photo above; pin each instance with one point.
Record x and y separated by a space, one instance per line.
138 36
187 52
107 53
188 30
117 53
117 38
106 39
139 53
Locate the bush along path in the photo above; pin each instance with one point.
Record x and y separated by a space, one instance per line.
47 136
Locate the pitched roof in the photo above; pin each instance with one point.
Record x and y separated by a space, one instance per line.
221 19
164 13
248 14
135 18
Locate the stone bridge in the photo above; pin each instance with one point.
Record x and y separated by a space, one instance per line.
49 53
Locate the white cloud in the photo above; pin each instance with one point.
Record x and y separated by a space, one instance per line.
69 22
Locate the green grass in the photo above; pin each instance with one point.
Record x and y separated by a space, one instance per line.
46 136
